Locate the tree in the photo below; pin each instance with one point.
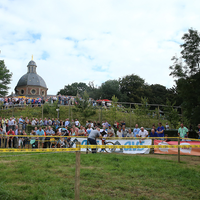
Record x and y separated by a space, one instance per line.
171 114
109 89
84 106
132 88
5 79
187 73
74 89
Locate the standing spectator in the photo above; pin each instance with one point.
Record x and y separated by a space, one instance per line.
77 124
167 126
111 132
20 123
2 133
136 131
67 122
10 139
160 130
183 131
129 134
33 123
124 131
119 132
45 122
40 132
41 122
81 131
49 122
89 129
49 132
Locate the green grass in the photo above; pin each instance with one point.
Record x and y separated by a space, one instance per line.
103 176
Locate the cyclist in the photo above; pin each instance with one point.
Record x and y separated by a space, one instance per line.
92 138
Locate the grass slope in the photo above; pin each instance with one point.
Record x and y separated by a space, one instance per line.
103 176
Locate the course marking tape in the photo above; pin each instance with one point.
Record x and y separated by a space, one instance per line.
137 146
39 150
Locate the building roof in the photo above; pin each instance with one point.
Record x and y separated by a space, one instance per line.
31 77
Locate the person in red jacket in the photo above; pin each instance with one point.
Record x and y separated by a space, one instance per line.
10 139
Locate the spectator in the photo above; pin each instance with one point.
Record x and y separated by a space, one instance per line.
40 132
124 131
119 132
183 131
67 122
33 123
2 133
143 133
160 130
136 130
10 139
77 124
129 134
89 129
166 138
81 131
167 126
111 132
153 133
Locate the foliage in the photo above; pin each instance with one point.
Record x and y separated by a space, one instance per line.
110 88
84 106
73 89
171 114
186 71
5 79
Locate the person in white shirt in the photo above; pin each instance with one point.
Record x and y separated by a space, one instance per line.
119 132
77 123
143 133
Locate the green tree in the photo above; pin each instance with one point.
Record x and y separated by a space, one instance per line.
84 106
5 79
74 89
132 88
110 88
171 114
186 71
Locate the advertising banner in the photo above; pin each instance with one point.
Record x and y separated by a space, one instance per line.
83 141
183 151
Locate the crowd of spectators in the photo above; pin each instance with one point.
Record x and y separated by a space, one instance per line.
56 127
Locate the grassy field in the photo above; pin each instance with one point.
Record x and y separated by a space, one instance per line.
103 176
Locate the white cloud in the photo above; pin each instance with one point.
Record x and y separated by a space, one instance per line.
106 39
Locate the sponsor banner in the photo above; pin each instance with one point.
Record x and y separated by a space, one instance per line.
186 150
127 150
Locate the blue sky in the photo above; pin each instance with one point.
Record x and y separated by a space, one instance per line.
82 41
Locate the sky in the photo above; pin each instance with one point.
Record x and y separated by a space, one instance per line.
94 40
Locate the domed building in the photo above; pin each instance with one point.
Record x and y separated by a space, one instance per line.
31 84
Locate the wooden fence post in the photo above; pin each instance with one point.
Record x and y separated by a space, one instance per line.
179 150
77 173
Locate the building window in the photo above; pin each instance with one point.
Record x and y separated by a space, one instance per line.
33 91
22 91
43 93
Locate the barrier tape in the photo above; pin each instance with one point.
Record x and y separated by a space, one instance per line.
137 146
78 147
39 150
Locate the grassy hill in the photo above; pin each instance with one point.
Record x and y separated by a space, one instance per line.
130 117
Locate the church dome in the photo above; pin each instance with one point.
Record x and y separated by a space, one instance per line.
31 84
31 77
